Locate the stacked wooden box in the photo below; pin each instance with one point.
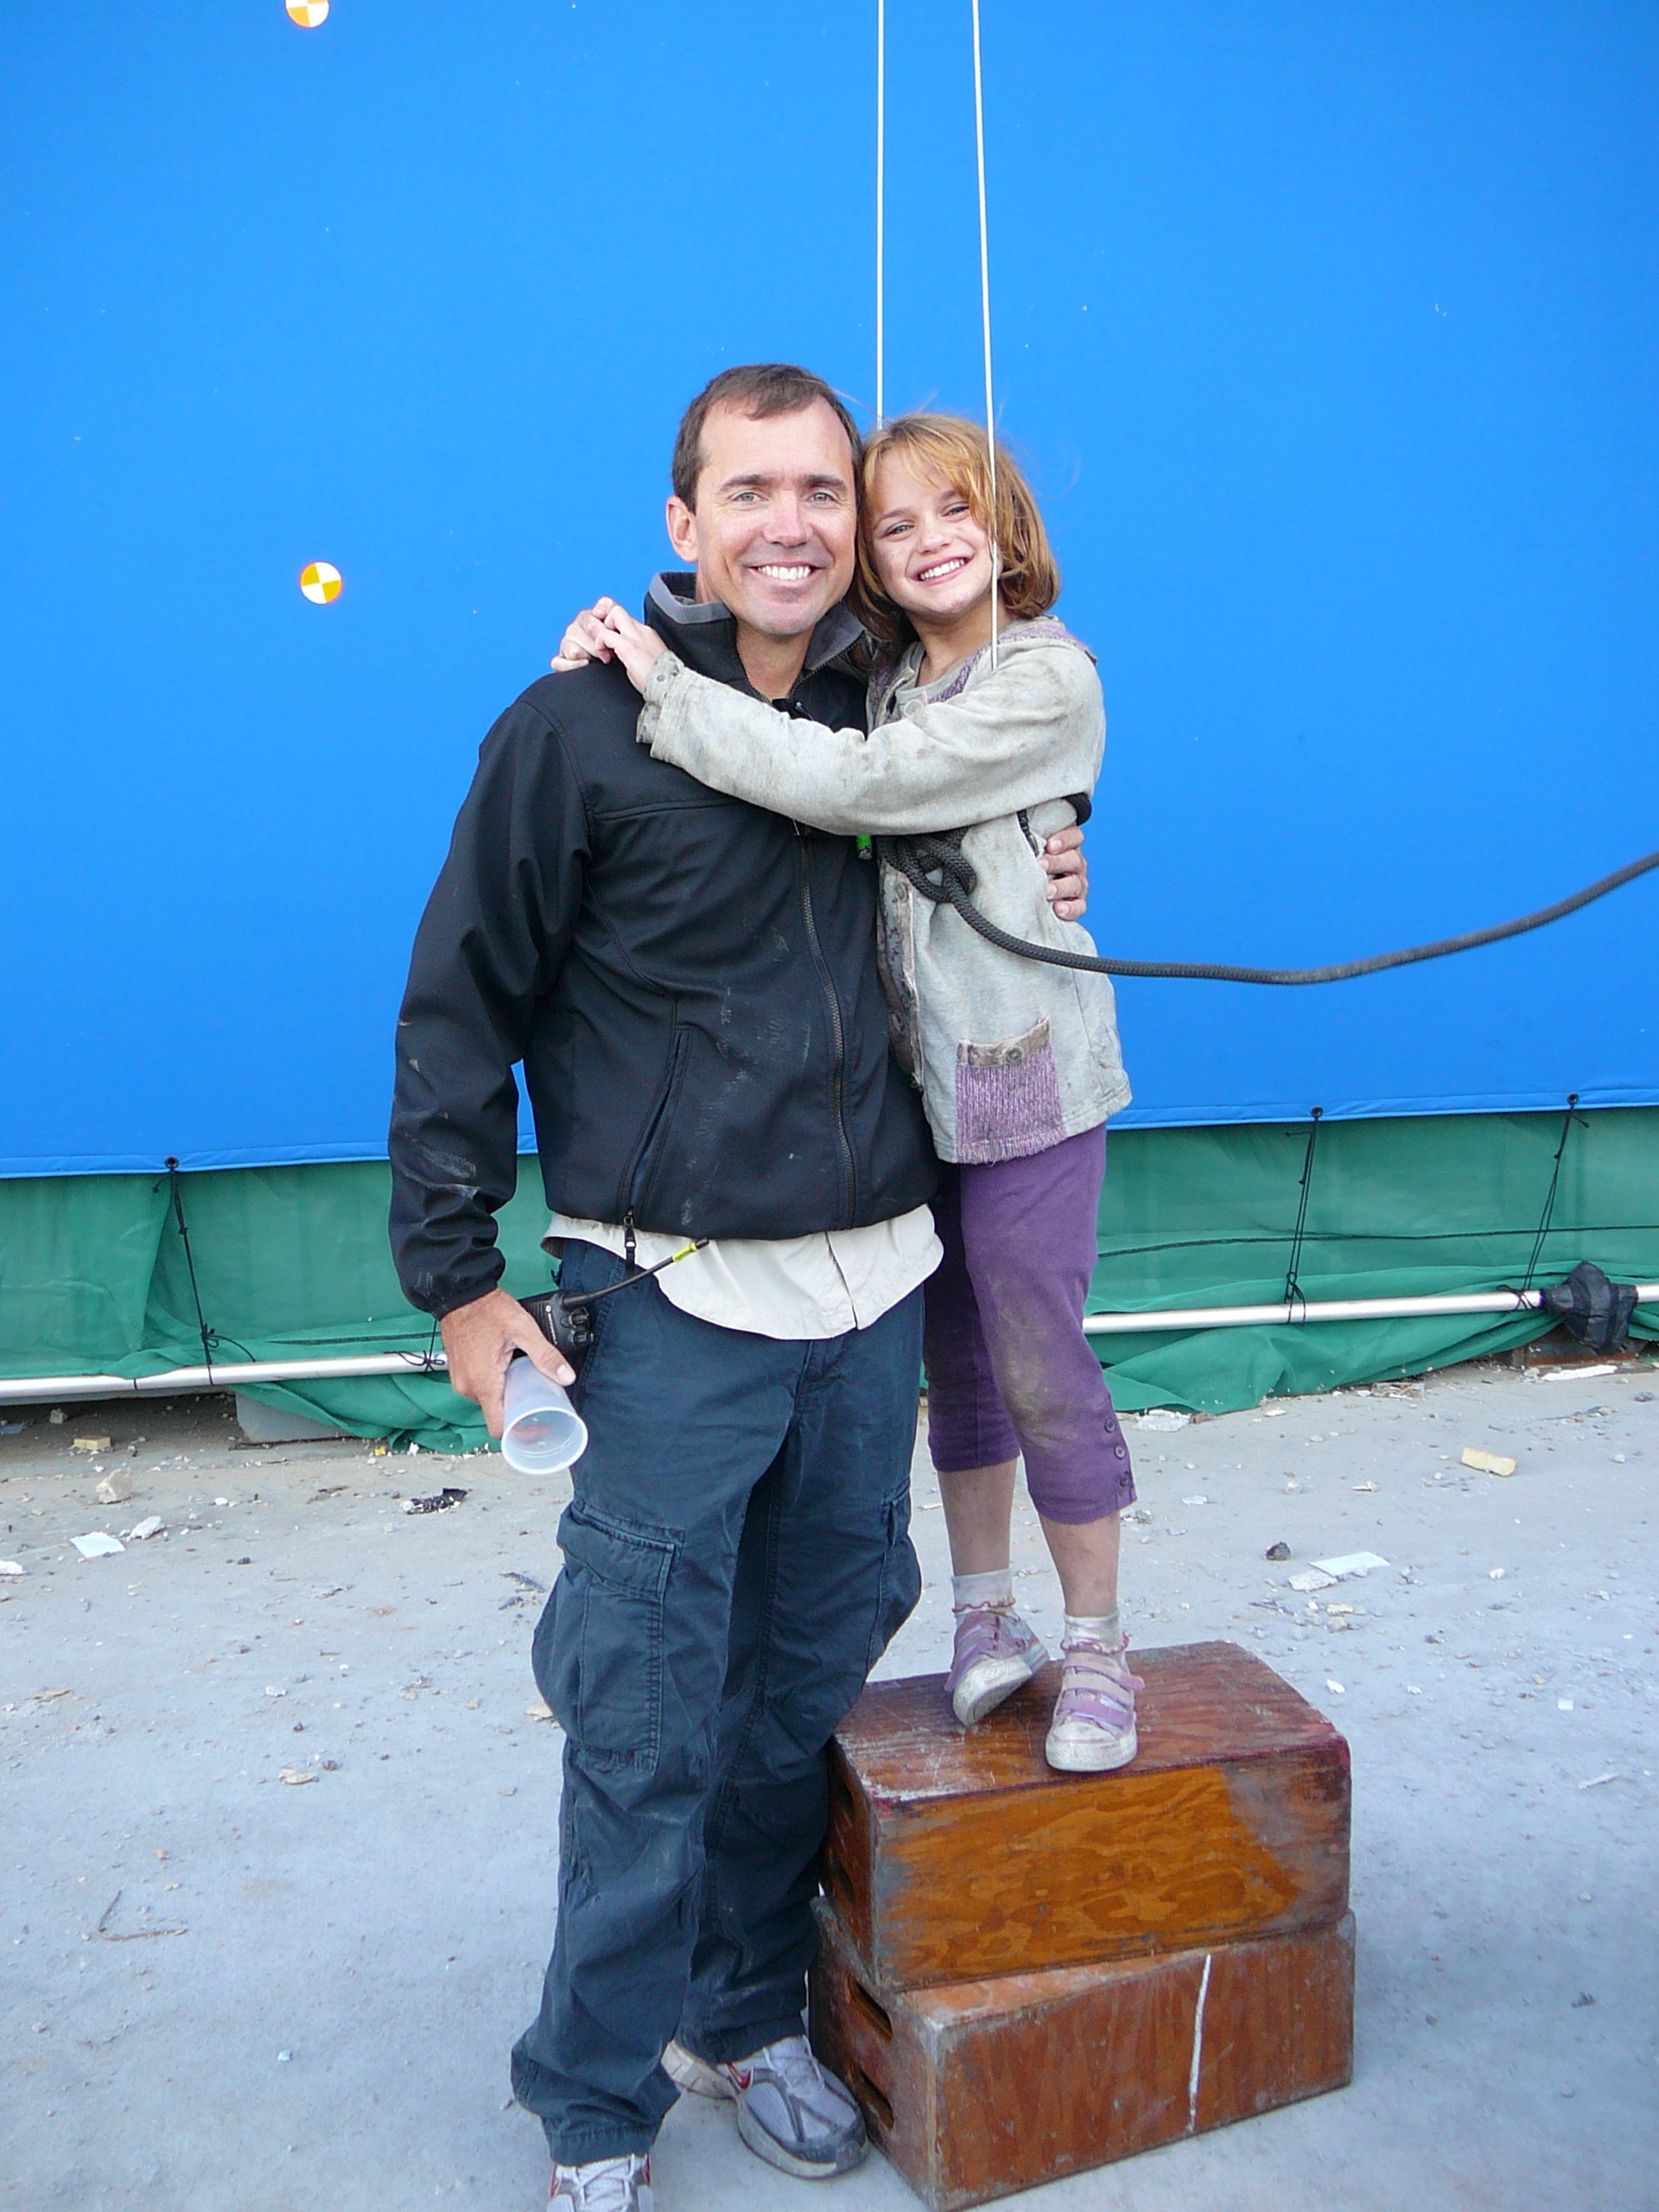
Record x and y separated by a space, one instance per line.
1023 1974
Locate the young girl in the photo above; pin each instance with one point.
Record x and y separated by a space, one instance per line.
1017 1061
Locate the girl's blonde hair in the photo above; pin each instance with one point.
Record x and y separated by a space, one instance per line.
949 447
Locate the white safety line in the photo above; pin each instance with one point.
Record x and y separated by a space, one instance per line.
880 206
1197 2050
985 316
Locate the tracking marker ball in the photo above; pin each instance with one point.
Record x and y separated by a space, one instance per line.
308 14
320 581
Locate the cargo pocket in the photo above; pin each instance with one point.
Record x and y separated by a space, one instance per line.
1007 1098
898 1584
603 1668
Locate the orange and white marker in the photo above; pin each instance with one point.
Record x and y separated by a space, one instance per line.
308 14
320 581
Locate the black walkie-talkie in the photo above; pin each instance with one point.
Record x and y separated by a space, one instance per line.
564 1321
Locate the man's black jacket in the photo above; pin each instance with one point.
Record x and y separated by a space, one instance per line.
688 980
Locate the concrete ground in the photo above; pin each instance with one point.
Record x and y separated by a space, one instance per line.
226 1992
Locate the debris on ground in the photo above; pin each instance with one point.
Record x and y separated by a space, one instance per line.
115 1488
152 1525
1163 1420
440 1503
166 1741
1313 1578
1577 1374
1350 1563
97 1545
56 1417
1488 1463
134 1934
10 1566
90 1444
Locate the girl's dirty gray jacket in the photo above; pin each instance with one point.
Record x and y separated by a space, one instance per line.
1011 1056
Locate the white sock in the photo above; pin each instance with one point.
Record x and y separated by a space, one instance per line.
995 1588
1091 1627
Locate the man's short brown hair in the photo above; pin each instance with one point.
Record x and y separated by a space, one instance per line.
761 389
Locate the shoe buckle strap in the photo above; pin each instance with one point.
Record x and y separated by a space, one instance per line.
1097 1666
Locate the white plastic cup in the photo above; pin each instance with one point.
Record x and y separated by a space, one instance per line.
542 1432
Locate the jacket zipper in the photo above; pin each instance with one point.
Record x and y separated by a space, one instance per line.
637 1168
847 1164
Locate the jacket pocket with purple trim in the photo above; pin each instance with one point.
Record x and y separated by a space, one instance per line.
1009 1098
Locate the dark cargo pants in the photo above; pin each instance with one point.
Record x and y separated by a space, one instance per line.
736 1558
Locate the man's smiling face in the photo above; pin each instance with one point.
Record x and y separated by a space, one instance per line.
772 533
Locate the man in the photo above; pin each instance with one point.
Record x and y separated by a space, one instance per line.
690 984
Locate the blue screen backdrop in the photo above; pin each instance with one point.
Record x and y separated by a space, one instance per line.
1332 338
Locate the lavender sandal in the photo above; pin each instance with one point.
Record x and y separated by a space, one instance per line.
995 1652
1093 1729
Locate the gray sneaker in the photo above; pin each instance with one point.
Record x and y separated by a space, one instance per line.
603 2186
790 2111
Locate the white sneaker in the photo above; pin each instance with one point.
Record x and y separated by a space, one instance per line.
790 2111
1093 1728
603 2186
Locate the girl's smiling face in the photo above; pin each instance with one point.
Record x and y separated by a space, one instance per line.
930 554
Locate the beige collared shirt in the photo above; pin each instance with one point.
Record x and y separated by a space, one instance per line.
793 1287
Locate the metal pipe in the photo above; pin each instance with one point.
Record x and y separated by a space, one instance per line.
236 1375
1300 1313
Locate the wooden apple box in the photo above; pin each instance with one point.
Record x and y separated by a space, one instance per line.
976 2088
958 1855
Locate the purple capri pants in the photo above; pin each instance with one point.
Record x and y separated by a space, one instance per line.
1009 1369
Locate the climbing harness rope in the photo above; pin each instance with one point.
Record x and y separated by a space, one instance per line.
920 859
984 265
985 320
880 206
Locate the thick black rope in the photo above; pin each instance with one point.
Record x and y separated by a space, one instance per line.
920 859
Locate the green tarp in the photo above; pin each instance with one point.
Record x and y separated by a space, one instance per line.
293 1259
